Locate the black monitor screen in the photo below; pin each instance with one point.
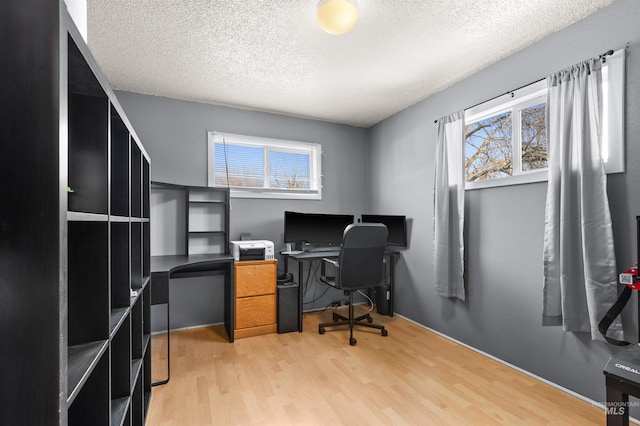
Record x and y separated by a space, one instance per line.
315 227
396 225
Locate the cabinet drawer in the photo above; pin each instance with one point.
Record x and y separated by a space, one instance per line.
255 311
255 278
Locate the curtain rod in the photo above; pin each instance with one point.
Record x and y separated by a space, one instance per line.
603 57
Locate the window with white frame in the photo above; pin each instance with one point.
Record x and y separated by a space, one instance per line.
505 138
255 167
508 139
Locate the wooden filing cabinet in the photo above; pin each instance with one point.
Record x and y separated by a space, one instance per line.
255 298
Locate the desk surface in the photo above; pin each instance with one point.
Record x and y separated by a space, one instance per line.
305 255
170 263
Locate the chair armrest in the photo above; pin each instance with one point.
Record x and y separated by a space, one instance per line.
329 280
334 262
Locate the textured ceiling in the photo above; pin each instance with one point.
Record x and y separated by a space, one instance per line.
270 55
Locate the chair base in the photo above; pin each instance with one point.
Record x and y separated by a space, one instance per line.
350 321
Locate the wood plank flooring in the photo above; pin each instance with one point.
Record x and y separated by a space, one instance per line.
410 377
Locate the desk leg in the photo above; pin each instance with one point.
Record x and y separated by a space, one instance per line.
285 261
159 296
392 281
229 302
300 294
165 381
617 406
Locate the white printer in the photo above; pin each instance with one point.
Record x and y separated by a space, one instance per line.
251 250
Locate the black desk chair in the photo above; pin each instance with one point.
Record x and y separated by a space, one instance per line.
359 266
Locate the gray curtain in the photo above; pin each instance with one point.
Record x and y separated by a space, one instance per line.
448 221
580 277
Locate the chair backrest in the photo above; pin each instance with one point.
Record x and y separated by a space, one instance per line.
361 256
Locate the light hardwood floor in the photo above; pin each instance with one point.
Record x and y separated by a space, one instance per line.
410 377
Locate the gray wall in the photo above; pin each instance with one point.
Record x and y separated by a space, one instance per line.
394 162
174 134
504 226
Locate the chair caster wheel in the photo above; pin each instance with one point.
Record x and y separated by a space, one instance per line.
369 320
383 332
336 318
352 341
321 330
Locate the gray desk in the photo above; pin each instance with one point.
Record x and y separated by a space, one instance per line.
164 268
311 256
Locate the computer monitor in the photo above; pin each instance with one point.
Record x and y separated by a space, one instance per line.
315 228
396 225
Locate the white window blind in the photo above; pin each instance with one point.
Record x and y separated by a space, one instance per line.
256 167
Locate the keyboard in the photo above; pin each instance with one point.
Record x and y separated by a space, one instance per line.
321 249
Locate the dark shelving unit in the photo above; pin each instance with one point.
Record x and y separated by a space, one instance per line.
75 242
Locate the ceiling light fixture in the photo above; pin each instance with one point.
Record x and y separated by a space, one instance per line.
337 16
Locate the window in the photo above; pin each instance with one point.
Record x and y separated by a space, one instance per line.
256 167
505 138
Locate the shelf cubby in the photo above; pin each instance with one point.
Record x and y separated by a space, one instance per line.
88 113
81 361
120 371
146 346
207 242
206 216
136 255
118 316
92 404
208 195
147 382
137 328
120 273
137 394
119 166
146 312
136 181
121 411
88 282
146 184
207 220
146 250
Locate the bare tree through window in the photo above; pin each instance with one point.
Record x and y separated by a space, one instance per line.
489 144
534 138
